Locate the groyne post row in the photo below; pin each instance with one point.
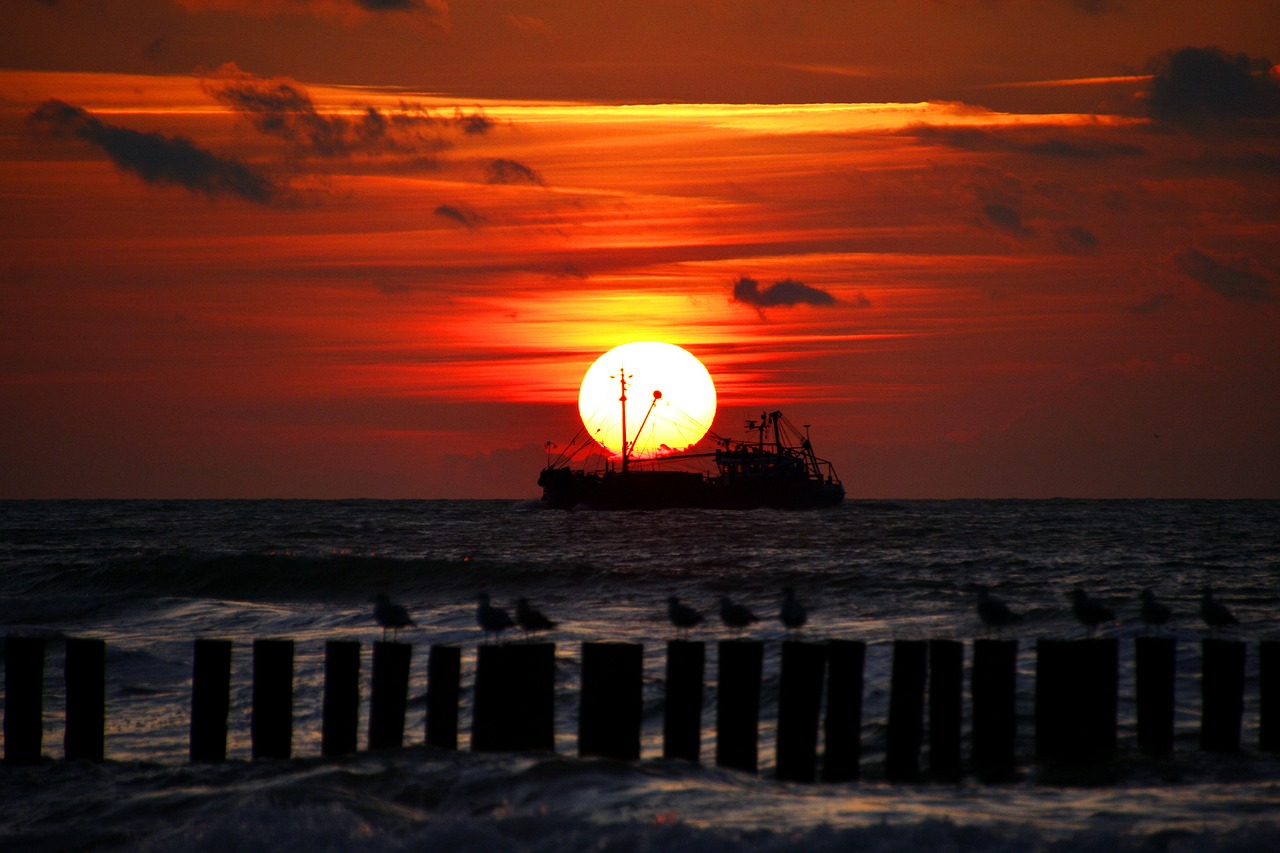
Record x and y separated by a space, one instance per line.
1076 699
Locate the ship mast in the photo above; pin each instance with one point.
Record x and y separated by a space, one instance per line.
622 380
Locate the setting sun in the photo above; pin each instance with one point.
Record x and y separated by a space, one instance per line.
670 399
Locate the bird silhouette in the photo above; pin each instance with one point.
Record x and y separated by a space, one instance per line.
1214 613
993 612
530 619
390 615
682 616
1088 612
1153 612
792 613
492 620
736 616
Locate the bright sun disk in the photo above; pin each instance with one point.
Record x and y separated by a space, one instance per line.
665 377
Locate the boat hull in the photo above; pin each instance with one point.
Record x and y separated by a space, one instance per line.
564 488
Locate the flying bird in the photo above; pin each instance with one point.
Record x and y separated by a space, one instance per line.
1088 612
1214 613
735 616
530 619
993 612
792 613
1154 613
682 616
390 615
492 620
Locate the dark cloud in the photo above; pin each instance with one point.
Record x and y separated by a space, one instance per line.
1157 302
503 171
1230 278
156 158
461 214
1206 88
284 109
974 139
388 5
156 49
1006 219
785 293
1078 240
1098 7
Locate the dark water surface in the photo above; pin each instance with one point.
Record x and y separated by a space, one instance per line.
151 576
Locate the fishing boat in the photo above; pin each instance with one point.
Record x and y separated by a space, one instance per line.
774 467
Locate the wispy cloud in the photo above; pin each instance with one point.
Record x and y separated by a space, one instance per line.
1005 218
283 108
460 214
157 158
1075 147
1231 278
435 13
503 171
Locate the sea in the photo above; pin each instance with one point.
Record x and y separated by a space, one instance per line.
150 577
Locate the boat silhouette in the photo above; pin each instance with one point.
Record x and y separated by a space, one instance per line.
775 467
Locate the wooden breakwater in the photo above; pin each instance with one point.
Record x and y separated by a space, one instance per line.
820 701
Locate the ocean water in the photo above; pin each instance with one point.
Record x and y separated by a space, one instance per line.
150 577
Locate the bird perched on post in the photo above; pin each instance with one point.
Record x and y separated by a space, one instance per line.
792 613
682 616
492 620
1154 613
530 619
390 615
1214 613
735 616
993 612
1088 612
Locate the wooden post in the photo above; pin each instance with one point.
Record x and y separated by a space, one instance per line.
23 699
1077 690
1221 694
1101 694
738 704
906 711
682 703
210 699
1269 695
1155 663
799 706
390 694
611 700
946 681
995 719
86 680
842 731
340 721
271 720
444 681
514 707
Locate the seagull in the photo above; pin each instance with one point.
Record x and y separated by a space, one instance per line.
529 619
735 616
492 620
1153 612
682 616
993 612
1214 613
792 613
388 614
1089 612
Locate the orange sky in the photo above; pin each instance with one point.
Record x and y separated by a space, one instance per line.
329 249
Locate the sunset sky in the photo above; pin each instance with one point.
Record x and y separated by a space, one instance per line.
368 248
